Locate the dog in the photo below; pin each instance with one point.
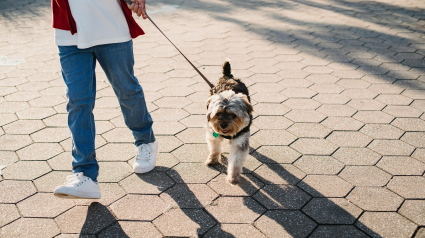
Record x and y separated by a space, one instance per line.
229 116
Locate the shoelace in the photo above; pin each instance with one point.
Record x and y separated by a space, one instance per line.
144 152
73 179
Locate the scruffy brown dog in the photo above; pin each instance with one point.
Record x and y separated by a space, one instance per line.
229 117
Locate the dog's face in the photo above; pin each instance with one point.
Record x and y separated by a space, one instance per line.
228 113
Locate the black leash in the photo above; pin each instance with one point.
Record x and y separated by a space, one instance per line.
197 70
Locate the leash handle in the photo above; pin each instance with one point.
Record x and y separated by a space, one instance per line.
197 70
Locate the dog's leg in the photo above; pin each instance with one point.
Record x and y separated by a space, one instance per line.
215 146
239 148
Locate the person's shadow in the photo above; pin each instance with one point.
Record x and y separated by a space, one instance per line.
101 222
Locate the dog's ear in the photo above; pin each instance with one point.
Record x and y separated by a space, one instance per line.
208 101
208 109
248 106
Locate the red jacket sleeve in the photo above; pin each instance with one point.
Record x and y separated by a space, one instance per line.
62 17
63 20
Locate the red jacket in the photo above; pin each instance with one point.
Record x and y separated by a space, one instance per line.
63 20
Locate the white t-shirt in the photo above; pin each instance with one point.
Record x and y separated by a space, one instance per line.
98 22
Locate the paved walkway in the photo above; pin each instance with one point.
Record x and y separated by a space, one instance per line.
338 144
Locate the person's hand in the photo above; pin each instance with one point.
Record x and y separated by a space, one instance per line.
138 7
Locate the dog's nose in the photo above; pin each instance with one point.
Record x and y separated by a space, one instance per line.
223 125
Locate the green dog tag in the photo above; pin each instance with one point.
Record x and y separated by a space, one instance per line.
215 134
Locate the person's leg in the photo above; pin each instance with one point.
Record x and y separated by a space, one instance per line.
78 71
117 61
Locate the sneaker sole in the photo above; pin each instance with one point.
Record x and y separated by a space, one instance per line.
142 171
69 196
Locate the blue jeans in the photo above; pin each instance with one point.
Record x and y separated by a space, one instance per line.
78 71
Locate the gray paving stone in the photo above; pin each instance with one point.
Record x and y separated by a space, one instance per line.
26 170
279 174
325 186
44 205
391 147
365 176
138 207
396 165
234 230
319 165
408 186
414 210
247 187
10 192
343 231
349 139
31 227
235 210
314 146
189 196
375 199
9 214
150 183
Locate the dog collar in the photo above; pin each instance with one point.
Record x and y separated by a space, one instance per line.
246 129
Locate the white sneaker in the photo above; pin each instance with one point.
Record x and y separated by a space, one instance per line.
78 186
145 158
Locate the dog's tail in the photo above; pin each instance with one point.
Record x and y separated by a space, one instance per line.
227 71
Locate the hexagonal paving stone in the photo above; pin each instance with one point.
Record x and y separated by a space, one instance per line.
58 120
301 103
282 197
414 138
279 174
235 209
139 207
7 118
115 152
319 165
14 142
9 214
192 153
13 107
314 146
48 183
47 101
192 135
419 154
186 222
26 170
326 88
414 210
234 230
308 116
172 102
271 109
356 156
402 111
195 108
168 143
283 223
39 151
375 199
391 147
164 114
359 93
331 98
396 165
382 131
113 171
247 187
266 97
385 224
338 231
394 99
408 186
342 123
24 127
332 211
272 122
325 186
373 117
409 124
85 220
150 183
119 135
274 137
190 121
366 104
31 227
61 162
189 196
44 205
276 154
51 135
336 110
132 229
192 173
309 130
15 191
106 113
349 139
365 176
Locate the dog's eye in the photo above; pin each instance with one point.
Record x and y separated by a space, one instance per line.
219 114
233 116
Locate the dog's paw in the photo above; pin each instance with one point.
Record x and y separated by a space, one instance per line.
211 162
233 180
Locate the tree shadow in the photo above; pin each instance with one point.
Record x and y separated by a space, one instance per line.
101 222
